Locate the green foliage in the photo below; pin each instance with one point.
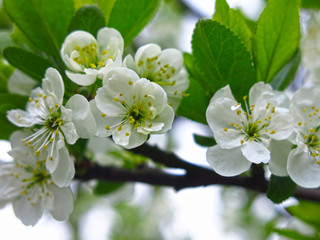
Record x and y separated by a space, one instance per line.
204 141
235 21
29 63
87 18
222 58
277 37
280 188
44 23
9 101
130 17
287 74
5 39
294 234
308 212
104 188
313 4
194 106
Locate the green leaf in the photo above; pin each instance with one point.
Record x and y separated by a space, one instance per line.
5 72
277 37
104 188
87 18
204 141
44 23
308 212
29 63
9 101
235 21
130 17
294 234
5 40
106 8
280 188
222 58
287 74
313 4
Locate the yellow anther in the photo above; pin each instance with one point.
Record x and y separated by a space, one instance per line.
185 94
252 105
120 127
116 99
58 120
140 63
149 66
245 98
239 112
40 95
103 114
242 141
107 128
104 52
77 48
313 137
45 146
36 100
101 64
173 83
255 134
38 105
92 65
56 106
250 116
123 102
310 115
127 134
24 192
51 158
232 124
225 129
269 117
150 125
273 110
130 83
134 96
240 128
37 153
47 193
251 139
50 109
30 99
313 107
303 110
266 130
149 104
168 75
45 97
57 132
305 136
175 92
299 123
51 139
313 154
273 132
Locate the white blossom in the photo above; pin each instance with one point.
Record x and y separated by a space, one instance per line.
130 108
30 188
163 67
88 58
303 164
243 136
52 122
20 83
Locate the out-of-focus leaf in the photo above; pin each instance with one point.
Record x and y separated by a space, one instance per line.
130 17
222 58
235 21
283 79
5 40
204 141
7 102
277 37
313 4
29 63
294 234
280 188
44 23
104 188
5 73
87 18
308 212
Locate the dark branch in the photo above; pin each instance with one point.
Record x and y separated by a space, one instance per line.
194 176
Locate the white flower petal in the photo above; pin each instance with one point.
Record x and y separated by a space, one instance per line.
303 169
228 139
21 118
260 94
279 155
65 171
81 79
136 139
82 117
110 39
227 162
146 51
255 152
53 83
69 131
121 135
128 62
63 203
172 57
28 213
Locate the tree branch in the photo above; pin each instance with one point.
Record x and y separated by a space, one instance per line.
194 176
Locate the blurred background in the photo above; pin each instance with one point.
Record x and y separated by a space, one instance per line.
142 212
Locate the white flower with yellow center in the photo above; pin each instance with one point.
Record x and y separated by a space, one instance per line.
88 58
243 136
51 121
130 108
161 67
303 164
30 187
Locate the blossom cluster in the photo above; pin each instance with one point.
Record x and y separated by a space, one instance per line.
269 129
131 98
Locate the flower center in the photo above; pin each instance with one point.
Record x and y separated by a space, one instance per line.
89 57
